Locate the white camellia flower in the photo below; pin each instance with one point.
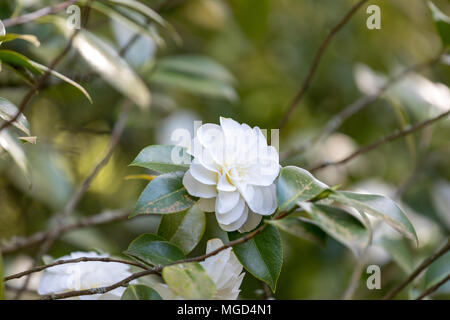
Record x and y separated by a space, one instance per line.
224 269
233 174
84 275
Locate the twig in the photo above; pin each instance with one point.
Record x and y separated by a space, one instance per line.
82 259
158 269
433 288
305 85
95 220
389 138
336 121
27 99
38 14
418 271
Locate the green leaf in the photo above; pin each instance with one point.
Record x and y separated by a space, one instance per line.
442 23
16 60
140 292
154 250
107 63
190 281
399 252
27 37
12 144
340 225
8 110
163 159
2 285
437 271
165 194
185 229
301 228
296 184
262 255
378 206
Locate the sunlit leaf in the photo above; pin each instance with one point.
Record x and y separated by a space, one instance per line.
140 292
107 63
26 37
154 250
262 255
190 281
163 159
165 194
8 111
184 229
378 206
296 184
17 60
10 142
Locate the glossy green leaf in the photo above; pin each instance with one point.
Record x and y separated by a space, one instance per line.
399 251
163 159
140 292
154 250
378 206
190 281
340 225
295 184
301 228
442 23
16 60
165 194
437 271
26 37
262 255
185 229
107 63
8 111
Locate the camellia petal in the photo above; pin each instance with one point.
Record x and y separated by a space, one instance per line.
233 172
196 188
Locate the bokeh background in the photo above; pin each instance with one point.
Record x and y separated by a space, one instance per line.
245 60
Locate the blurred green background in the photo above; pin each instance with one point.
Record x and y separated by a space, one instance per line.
245 60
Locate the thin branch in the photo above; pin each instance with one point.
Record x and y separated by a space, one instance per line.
27 99
433 288
82 259
336 121
386 139
305 85
418 271
106 217
158 269
38 14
